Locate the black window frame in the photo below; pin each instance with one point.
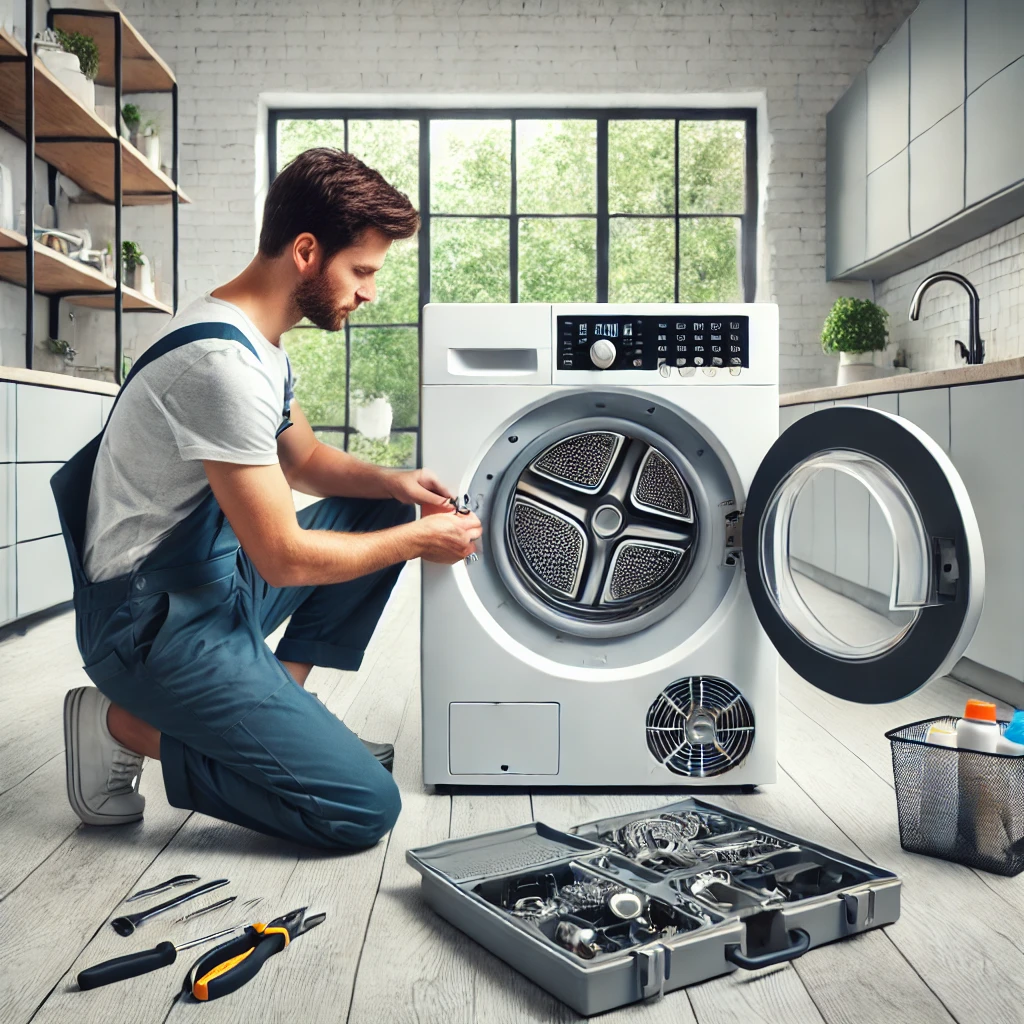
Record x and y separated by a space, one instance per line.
600 115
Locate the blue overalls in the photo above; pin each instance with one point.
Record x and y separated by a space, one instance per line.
179 643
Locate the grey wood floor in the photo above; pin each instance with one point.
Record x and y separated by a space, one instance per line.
382 955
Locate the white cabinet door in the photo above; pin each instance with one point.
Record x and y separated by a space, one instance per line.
930 411
823 493
44 575
7 505
853 507
106 404
53 424
801 540
987 448
8 424
8 585
880 541
37 511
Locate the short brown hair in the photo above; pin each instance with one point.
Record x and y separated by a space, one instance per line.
335 197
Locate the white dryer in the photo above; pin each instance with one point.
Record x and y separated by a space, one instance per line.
636 575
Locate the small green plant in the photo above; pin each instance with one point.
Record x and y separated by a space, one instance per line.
62 348
855 325
132 255
84 48
151 126
132 117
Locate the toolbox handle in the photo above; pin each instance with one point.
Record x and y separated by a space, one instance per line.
800 943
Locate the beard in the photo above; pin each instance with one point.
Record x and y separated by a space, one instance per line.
317 303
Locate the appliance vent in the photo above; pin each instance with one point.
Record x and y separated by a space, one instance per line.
581 461
700 726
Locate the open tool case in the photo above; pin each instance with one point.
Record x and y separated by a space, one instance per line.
630 907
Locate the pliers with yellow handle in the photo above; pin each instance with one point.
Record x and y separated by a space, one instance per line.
230 965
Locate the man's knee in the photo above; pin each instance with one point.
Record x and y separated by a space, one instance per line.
374 819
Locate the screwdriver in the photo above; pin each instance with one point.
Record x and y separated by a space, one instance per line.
133 964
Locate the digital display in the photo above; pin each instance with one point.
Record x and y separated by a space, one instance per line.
648 342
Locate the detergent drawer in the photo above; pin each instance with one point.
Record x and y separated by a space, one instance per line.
630 908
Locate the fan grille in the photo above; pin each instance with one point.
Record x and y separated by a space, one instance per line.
700 726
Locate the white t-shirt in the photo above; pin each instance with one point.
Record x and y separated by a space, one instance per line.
210 399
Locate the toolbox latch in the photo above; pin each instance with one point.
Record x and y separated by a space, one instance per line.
860 907
653 969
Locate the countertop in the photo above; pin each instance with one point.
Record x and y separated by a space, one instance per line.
1005 369
56 380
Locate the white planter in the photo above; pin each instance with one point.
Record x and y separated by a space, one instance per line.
66 68
141 279
151 150
856 366
373 419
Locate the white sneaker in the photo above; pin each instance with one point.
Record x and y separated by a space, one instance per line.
103 777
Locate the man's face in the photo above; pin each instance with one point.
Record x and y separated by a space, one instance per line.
347 281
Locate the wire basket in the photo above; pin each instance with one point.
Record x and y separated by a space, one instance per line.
966 806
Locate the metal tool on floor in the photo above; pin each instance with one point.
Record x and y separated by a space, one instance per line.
230 965
131 966
248 905
127 924
171 883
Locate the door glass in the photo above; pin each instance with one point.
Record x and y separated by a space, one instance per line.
844 555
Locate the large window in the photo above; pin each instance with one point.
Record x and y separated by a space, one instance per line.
521 206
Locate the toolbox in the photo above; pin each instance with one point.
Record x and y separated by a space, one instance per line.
634 906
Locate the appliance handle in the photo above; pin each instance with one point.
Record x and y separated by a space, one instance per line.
800 942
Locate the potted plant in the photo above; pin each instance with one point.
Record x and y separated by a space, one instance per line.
855 328
148 141
74 60
136 268
62 348
132 119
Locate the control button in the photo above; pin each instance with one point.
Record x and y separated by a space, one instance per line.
698 360
602 353
716 327
735 361
734 325
567 364
680 327
717 361
665 370
638 362
687 371
709 371
735 371
680 361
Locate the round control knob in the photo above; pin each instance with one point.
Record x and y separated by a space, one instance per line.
602 353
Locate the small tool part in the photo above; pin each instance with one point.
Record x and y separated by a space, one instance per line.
127 924
625 905
581 941
584 895
230 965
171 883
532 908
690 824
134 964
207 910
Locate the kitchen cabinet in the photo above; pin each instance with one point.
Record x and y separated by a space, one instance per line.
888 200
8 585
995 38
936 62
928 410
7 504
54 423
937 173
853 507
986 432
37 510
44 575
888 86
995 144
880 541
8 423
846 179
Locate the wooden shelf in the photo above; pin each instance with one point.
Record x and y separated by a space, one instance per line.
90 162
142 70
56 273
9 46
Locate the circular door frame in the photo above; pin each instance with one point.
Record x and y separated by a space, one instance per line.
941 632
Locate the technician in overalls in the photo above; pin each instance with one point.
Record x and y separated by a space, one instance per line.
186 550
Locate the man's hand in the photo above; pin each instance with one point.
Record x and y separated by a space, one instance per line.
417 487
447 538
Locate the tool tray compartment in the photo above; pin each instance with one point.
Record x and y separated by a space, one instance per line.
629 907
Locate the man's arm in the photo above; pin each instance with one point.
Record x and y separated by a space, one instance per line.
325 472
258 504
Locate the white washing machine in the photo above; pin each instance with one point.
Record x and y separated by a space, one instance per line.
634 583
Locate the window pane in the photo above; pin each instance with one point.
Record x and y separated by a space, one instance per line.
642 260
398 290
335 438
557 260
470 166
556 166
709 260
711 160
318 363
295 137
391 147
385 379
641 167
397 451
469 260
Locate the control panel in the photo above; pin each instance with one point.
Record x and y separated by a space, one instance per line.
649 342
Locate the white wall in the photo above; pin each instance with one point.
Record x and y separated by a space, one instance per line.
993 263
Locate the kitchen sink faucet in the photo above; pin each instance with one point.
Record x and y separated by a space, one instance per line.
974 352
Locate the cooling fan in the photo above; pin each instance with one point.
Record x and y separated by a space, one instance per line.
700 726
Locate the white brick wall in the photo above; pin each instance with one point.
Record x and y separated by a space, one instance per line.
993 263
801 54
